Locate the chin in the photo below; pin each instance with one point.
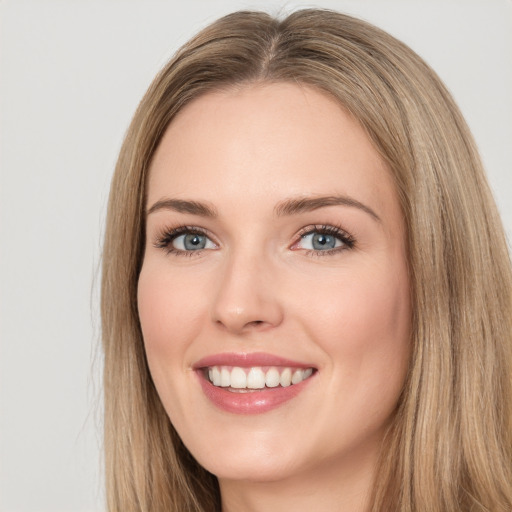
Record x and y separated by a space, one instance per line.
251 469
237 454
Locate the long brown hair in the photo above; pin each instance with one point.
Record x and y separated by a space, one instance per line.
450 445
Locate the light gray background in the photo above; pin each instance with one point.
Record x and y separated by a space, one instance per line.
71 75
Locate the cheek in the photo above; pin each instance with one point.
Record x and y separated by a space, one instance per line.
169 312
362 321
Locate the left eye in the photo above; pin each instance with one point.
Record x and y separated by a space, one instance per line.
318 241
192 242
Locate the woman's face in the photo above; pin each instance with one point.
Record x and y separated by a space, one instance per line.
275 265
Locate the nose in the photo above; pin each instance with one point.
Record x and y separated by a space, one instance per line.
246 298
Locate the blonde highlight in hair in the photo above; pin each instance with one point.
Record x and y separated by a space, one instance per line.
449 447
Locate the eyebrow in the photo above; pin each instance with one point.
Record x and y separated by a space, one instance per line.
306 204
288 207
184 206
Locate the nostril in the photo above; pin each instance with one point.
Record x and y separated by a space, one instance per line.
244 325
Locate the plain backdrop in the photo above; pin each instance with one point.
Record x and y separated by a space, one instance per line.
71 75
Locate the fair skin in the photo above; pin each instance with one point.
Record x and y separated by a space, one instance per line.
321 283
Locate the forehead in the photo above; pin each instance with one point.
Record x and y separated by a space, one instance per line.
262 141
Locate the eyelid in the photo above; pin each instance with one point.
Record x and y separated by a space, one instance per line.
338 232
166 236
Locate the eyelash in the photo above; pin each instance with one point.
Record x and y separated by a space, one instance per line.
167 236
348 241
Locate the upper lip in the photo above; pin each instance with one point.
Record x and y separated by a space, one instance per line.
243 359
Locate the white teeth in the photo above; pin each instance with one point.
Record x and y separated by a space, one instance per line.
215 378
298 376
272 378
225 378
286 377
256 378
238 378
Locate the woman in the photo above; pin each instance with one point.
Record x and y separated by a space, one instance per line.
307 293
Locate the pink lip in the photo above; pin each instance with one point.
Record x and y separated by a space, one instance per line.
247 360
251 402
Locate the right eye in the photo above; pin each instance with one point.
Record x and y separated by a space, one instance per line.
184 241
192 242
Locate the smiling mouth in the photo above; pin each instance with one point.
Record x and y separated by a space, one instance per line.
241 379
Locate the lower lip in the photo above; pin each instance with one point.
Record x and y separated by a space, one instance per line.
250 402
